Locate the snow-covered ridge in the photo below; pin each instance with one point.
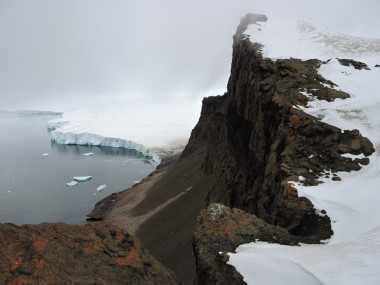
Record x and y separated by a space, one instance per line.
352 255
307 39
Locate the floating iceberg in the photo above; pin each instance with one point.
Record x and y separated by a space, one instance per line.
45 154
72 183
88 154
82 178
101 187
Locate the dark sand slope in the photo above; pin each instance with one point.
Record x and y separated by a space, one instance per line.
162 211
169 233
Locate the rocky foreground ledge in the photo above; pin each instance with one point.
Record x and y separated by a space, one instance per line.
68 254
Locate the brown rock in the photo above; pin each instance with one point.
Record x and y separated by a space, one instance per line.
355 146
69 254
220 230
356 64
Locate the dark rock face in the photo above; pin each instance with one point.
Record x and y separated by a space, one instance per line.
258 139
356 64
68 254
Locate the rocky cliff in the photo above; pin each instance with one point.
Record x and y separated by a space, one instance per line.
258 140
233 182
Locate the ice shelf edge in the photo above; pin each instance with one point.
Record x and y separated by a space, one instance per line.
89 139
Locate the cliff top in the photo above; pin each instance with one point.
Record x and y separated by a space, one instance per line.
305 38
349 64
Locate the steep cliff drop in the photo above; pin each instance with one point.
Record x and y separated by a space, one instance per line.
233 182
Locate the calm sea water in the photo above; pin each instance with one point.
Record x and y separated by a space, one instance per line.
33 186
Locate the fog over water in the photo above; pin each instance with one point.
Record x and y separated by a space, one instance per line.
56 53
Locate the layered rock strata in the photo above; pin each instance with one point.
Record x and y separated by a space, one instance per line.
258 139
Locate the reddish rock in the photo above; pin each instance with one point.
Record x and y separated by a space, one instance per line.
69 254
220 230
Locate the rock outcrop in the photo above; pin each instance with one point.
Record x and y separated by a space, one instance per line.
233 182
258 140
69 254
220 230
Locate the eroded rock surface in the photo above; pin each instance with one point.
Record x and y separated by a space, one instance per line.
69 254
258 139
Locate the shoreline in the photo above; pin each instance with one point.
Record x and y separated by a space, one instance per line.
177 188
117 208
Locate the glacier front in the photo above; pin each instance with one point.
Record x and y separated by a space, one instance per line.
149 127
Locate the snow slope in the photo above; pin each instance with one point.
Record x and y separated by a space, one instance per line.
146 126
352 255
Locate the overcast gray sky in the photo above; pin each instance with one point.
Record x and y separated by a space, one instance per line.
56 51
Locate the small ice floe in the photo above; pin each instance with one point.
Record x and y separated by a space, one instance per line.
82 178
88 154
45 154
72 183
125 162
9 191
101 187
